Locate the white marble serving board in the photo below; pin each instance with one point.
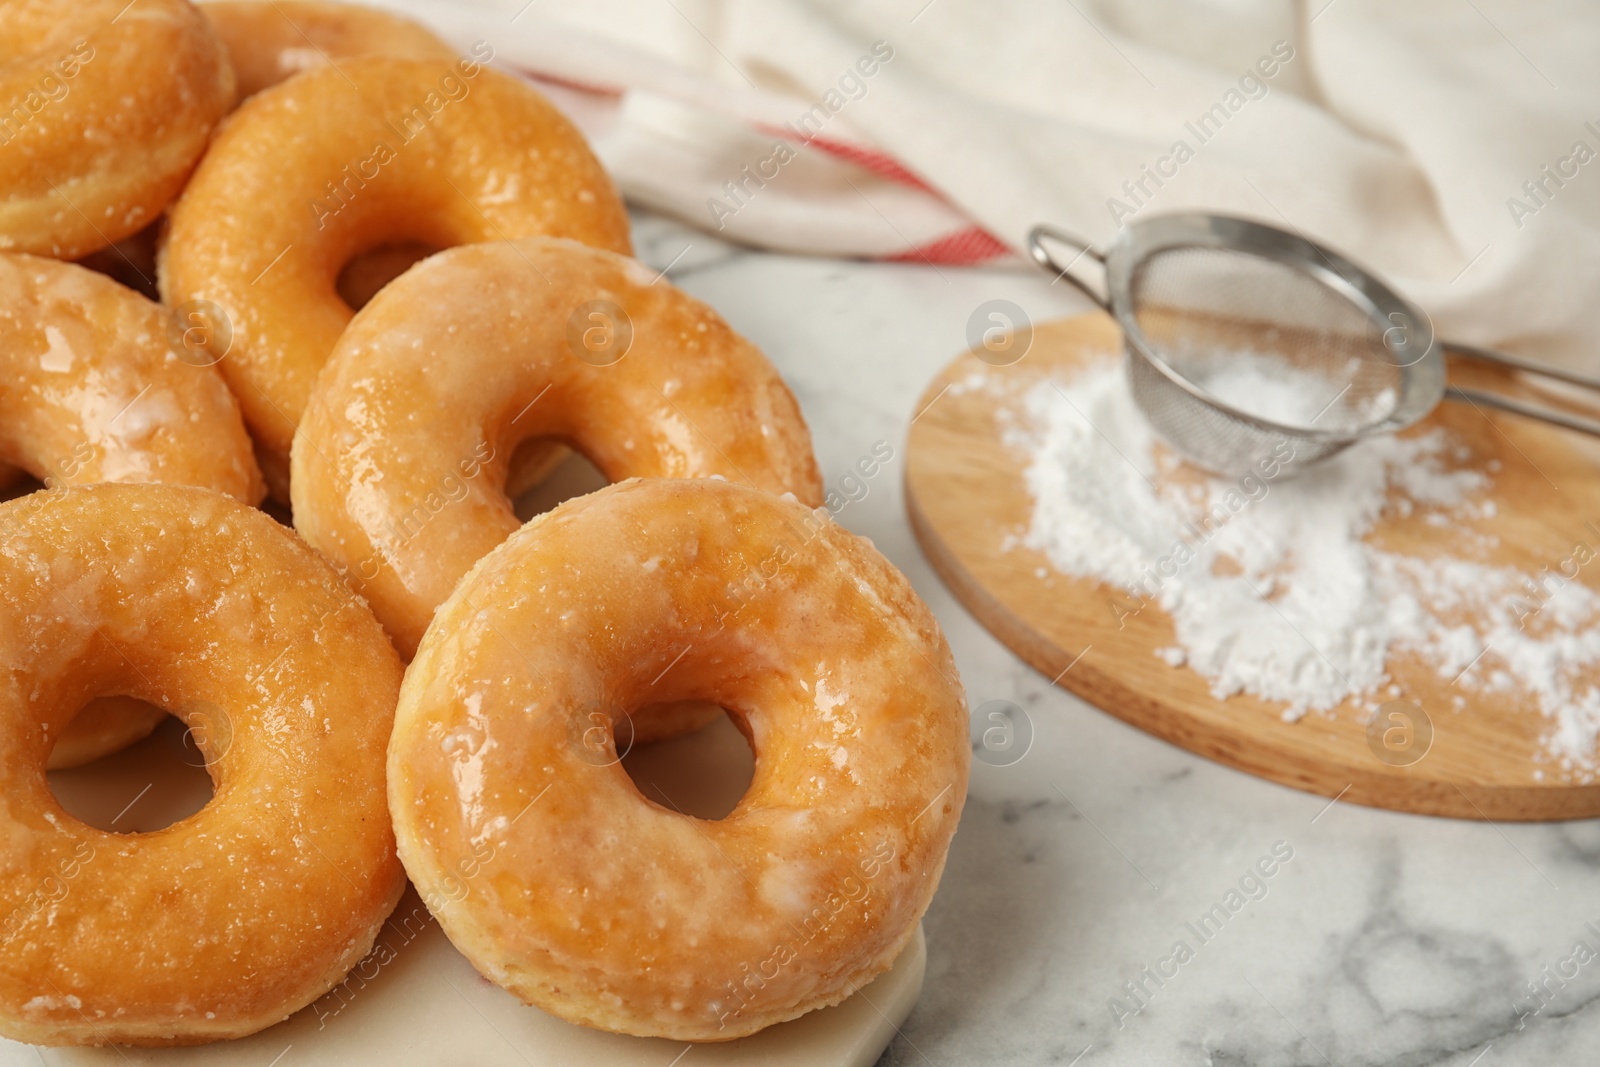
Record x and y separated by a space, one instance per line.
416 1000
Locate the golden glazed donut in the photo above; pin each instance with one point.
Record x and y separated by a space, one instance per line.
227 921
488 341
92 391
104 108
335 162
268 40
552 873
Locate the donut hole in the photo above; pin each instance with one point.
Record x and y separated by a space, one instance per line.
280 512
703 774
131 261
369 271
148 786
15 482
573 476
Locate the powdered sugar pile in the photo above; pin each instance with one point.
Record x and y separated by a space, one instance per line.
1268 581
1265 386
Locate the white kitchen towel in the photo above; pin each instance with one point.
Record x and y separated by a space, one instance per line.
1449 144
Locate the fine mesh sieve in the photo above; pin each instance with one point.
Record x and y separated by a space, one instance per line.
1247 342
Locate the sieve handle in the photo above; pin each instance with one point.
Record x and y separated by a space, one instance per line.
1501 359
1505 403
1041 255
1477 397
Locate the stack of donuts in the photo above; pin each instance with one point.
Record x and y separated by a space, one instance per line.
306 258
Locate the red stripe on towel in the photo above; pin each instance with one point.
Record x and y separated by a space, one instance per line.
963 248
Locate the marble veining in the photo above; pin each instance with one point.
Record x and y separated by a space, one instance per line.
1387 939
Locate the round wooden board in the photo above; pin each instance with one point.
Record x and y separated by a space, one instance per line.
967 501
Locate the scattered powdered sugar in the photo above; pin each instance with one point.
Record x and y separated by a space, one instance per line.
1270 585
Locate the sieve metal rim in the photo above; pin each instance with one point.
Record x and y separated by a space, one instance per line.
1423 380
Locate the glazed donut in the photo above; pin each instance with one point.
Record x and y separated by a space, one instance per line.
540 858
337 161
230 920
483 335
103 113
268 40
90 391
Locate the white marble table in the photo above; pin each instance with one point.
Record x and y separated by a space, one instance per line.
1386 939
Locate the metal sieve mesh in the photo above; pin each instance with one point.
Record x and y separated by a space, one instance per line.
1250 345
1247 344
1256 337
